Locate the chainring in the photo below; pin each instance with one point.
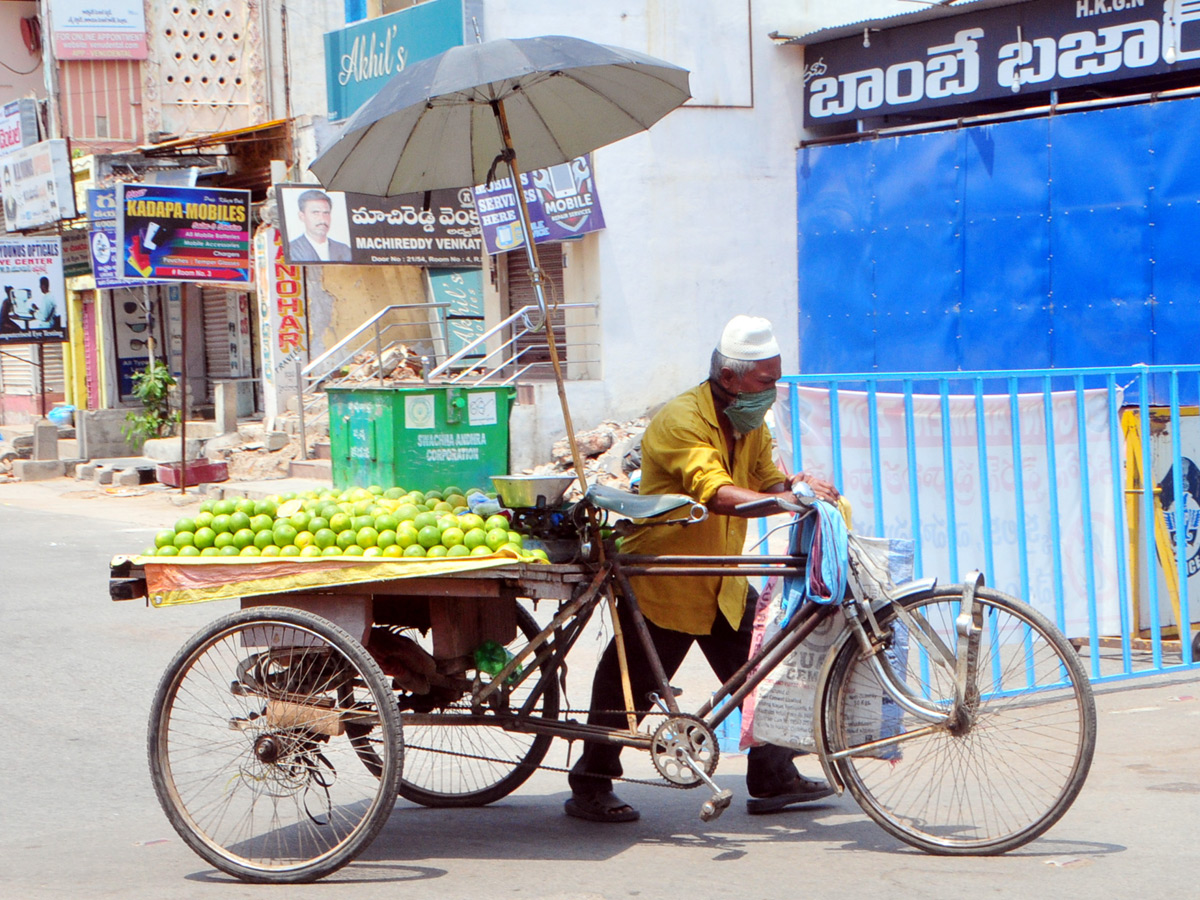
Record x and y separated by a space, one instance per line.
679 737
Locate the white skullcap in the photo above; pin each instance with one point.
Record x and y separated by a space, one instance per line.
748 338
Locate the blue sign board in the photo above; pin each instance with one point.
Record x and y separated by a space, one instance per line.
360 58
102 240
562 200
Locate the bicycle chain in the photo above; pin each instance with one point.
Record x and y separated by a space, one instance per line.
661 782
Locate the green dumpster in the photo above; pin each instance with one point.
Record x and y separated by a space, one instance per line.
419 437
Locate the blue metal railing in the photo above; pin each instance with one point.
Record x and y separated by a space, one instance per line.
1044 479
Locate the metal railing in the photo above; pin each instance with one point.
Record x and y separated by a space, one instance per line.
507 361
1036 477
382 332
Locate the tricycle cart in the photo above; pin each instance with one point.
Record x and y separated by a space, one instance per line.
958 718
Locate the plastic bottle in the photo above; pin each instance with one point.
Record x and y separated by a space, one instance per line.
491 657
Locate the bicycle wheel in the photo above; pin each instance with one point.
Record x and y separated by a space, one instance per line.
459 764
250 752
977 790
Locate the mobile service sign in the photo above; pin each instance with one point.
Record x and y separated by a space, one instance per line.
183 234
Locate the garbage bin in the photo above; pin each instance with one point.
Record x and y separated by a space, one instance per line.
419 437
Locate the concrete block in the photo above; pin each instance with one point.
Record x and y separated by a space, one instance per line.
85 472
45 441
99 433
127 478
226 402
169 449
103 475
276 440
38 469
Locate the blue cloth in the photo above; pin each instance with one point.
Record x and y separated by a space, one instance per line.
826 542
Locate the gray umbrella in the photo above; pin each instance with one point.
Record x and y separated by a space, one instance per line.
449 120
442 122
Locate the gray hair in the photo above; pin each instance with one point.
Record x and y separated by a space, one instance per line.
720 361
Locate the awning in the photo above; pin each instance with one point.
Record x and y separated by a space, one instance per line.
939 10
268 131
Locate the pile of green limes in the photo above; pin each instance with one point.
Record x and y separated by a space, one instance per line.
367 522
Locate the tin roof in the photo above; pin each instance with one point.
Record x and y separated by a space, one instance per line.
937 9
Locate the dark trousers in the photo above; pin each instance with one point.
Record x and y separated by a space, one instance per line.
768 768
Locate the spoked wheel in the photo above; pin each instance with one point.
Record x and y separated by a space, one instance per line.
250 745
456 760
992 782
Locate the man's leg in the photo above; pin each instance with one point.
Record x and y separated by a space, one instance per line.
771 777
598 763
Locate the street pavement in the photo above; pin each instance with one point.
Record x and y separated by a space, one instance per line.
80 818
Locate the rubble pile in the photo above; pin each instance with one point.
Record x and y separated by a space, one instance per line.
611 453
255 460
400 365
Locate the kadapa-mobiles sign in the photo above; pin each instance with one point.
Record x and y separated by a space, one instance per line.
1040 45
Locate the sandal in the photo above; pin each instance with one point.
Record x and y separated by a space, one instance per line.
801 790
602 807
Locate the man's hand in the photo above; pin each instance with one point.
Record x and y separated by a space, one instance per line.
822 488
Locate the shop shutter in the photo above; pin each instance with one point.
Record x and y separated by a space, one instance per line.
18 364
521 293
52 359
216 331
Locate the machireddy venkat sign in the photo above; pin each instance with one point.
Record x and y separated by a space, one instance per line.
1040 45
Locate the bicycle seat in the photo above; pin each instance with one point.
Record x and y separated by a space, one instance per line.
636 506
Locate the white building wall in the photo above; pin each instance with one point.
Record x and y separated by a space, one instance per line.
700 210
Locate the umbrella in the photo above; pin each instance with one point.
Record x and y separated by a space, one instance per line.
449 120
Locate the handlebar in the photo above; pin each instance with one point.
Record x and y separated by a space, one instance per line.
778 503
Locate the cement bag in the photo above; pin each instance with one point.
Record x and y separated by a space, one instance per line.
780 710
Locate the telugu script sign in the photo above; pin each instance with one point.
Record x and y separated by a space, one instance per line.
1037 46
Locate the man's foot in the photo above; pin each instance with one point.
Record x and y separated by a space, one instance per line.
800 790
601 807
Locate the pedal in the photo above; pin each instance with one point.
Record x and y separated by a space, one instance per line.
715 805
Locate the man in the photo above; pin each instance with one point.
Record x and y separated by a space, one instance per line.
45 313
315 211
710 443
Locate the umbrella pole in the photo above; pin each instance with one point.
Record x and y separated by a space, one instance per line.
535 273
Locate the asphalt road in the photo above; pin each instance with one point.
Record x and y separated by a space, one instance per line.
80 818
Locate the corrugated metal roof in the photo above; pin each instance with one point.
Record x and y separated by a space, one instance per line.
937 10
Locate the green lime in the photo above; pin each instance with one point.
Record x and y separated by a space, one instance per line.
386 522
230 550
438 550
353 550
335 550
360 522
250 550
326 537
272 550
185 524
347 538
189 550
210 551
316 523
385 539
220 524
372 551
458 550
261 523
223 539
203 520
394 493
475 538
164 538
367 537
497 538
267 507
496 521
453 536
207 506
264 538
339 522
311 550
204 537
515 537
284 534
413 550
185 539
238 521
482 550
429 536
243 538
393 550
406 512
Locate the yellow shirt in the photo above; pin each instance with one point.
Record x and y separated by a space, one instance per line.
683 452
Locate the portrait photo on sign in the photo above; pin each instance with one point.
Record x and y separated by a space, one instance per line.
315 226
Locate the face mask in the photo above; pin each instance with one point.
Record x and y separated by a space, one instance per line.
748 411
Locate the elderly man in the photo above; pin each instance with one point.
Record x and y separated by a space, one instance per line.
710 443
315 211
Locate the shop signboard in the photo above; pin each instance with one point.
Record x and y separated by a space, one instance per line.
99 29
464 317
37 185
1001 51
194 234
137 329
76 259
33 308
18 124
360 58
563 203
102 239
282 312
322 227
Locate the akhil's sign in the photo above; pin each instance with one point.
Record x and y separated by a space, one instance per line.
1040 46
360 58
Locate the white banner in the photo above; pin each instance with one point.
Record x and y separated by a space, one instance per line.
37 184
1069 476
282 311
